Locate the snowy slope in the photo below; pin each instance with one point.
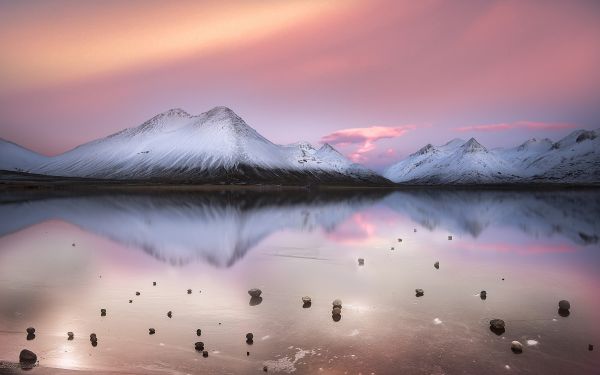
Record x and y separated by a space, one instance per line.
453 162
215 146
18 159
573 159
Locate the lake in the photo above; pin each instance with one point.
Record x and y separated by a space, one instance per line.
65 256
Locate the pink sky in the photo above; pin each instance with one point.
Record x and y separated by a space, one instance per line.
303 70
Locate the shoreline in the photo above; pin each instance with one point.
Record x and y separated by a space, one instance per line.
22 181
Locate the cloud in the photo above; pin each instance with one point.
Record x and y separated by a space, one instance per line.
365 138
516 125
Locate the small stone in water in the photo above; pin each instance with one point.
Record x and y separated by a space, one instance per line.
27 357
102 312
516 347
170 314
247 353
151 331
70 335
419 292
449 238
361 262
130 301
392 248
399 239
198 332
564 305
306 299
497 326
199 346
30 330
137 293
189 291
483 294
154 283
249 338
590 347
265 368
436 265
255 292
205 354
337 303
336 311
93 338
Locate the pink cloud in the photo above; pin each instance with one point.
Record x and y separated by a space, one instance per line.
365 138
516 125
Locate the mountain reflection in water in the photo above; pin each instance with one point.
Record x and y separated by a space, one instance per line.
221 227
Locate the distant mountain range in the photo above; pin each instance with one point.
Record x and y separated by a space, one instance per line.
214 147
574 159
219 147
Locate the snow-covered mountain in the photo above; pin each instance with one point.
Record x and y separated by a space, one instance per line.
573 159
215 146
19 159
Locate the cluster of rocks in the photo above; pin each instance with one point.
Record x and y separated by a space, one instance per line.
498 326
199 346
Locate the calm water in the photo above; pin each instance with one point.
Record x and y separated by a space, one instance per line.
63 258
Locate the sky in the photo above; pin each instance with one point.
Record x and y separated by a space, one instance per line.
376 79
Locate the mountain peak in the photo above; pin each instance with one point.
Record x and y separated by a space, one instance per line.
427 149
473 146
221 111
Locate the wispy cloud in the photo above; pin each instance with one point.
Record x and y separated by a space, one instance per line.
365 138
516 125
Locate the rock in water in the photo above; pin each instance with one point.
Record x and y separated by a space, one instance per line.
255 292
151 331
361 262
27 357
516 347
590 347
436 265
198 332
265 368
337 303
70 335
137 293
336 311
102 312
483 294
306 302
30 330
170 314
419 292
399 239
497 326
564 305
154 283
189 291
249 338
205 354
199 346
449 238
130 301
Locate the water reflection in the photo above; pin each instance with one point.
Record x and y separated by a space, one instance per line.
220 228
